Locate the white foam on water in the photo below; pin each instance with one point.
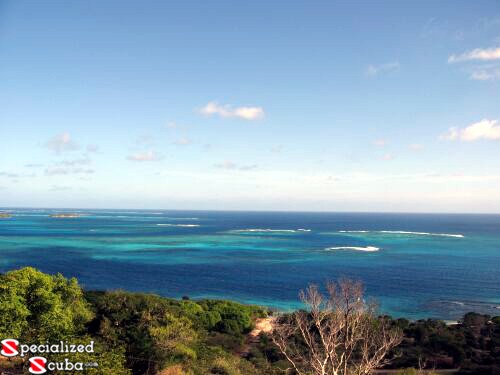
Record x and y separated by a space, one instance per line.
178 225
182 218
404 232
356 248
353 231
258 230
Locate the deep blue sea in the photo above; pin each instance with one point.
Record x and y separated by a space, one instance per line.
414 265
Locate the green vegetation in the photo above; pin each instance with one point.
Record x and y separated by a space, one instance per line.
133 333
159 332
137 333
473 345
36 307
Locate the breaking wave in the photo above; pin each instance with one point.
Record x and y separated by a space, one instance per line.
404 232
259 230
356 248
179 225
182 218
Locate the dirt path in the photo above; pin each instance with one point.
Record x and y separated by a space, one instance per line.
262 325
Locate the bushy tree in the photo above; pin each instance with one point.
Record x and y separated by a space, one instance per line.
36 307
173 339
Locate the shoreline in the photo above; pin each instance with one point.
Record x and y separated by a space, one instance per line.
274 311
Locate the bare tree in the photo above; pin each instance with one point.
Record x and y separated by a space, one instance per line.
338 333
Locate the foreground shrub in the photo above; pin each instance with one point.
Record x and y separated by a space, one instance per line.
36 307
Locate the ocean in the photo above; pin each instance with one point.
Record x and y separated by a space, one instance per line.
414 265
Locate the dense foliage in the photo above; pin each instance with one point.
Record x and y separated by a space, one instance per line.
158 332
36 307
473 345
137 333
133 333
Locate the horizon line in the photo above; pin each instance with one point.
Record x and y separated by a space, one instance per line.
248 210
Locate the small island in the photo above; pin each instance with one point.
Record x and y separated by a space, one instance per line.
5 215
65 216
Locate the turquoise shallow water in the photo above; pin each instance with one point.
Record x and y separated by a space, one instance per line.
414 265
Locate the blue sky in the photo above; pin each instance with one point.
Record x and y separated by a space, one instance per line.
266 105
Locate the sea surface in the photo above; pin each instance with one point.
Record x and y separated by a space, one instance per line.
414 265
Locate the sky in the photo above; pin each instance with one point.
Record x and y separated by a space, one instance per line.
390 106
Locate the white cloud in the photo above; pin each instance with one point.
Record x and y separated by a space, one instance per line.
144 156
373 70
229 165
226 111
61 143
485 74
478 54
388 157
183 141
484 129
93 148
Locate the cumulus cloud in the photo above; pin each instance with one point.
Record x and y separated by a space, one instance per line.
227 111
478 54
387 157
484 129
229 165
183 141
373 70
61 143
144 156
489 70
